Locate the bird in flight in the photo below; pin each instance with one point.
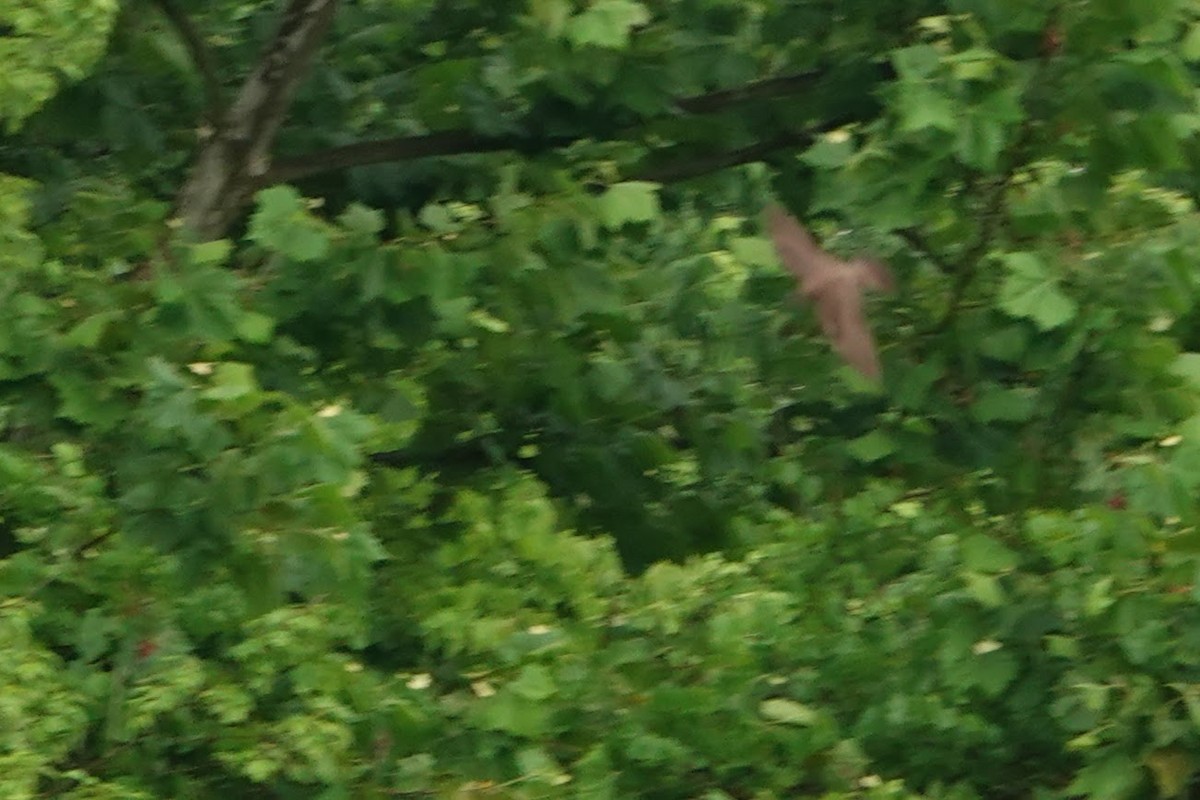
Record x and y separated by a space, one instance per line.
834 287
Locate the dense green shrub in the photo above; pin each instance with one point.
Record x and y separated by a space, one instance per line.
503 466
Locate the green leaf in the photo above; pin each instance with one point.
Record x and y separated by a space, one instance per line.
754 250
551 15
872 447
789 712
510 712
484 320
214 253
994 672
85 399
1190 46
1030 291
631 201
281 223
607 24
1006 343
980 141
831 151
1187 366
534 683
985 589
982 553
974 64
277 204
611 379
46 45
454 315
595 778
437 217
922 107
88 332
1114 777
255 328
534 762
1190 692
650 748
362 220
1099 597
917 62
997 404
230 381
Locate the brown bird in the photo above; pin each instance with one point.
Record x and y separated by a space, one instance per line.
835 287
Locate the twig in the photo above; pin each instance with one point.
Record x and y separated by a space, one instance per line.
917 242
75 554
201 57
987 230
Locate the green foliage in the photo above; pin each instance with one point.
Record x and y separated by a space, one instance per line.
45 44
515 474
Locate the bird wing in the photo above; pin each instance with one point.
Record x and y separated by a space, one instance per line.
852 338
834 287
797 250
874 275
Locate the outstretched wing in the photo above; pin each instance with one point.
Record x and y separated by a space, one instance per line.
874 275
796 249
834 287
851 338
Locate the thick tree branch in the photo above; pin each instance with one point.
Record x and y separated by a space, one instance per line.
229 164
685 168
462 142
693 167
401 148
201 57
765 89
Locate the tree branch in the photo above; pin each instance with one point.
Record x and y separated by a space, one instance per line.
917 242
227 168
685 169
401 148
767 88
993 209
462 142
201 57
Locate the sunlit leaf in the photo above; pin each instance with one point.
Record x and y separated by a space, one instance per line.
1030 290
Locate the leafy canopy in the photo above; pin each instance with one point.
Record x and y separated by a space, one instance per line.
400 398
